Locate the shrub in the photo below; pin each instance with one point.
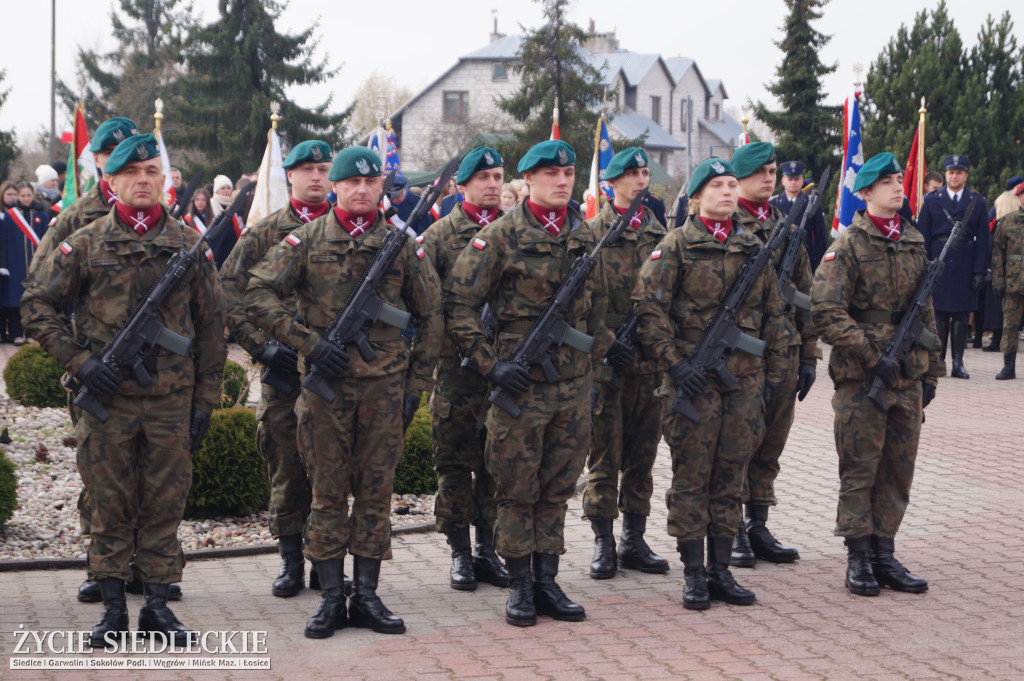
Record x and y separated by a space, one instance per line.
33 378
415 473
229 477
234 391
8 490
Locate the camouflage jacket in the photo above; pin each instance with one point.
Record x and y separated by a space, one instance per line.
806 336
682 285
622 262
254 243
89 207
517 266
1008 253
864 271
319 264
105 269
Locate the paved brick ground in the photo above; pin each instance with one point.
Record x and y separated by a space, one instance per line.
962 533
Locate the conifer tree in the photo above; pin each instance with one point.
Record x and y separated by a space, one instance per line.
8 146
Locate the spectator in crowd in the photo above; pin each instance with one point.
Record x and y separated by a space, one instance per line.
221 197
202 206
932 181
176 181
46 189
509 198
25 224
522 189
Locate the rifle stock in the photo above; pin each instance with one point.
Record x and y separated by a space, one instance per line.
790 295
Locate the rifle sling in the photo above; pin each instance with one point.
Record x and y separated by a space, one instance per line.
1014 257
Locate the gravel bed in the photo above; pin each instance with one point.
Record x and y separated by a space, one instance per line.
45 525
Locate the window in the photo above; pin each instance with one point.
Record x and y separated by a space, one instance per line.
714 108
656 110
499 71
662 157
682 115
456 106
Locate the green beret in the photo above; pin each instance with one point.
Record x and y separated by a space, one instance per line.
355 162
707 170
112 132
877 167
135 148
481 158
549 153
310 151
750 157
634 157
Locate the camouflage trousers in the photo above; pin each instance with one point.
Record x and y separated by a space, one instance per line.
1013 308
535 461
138 469
876 451
763 469
626 432
709 458
465 490
290 493
351 447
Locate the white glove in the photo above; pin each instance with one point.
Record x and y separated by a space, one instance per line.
4 272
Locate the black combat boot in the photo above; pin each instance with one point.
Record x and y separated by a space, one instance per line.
487 567
993 345
859 578
604 564
519 609
721 584
289 580
765 546
742 555
890 572
89 592
1008 372
155 616
547 595
115 615
958 342
136 587
634 553
695 578
462 576
365 607
942 330
330 615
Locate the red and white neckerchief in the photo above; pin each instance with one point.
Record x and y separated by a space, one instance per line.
18 214
636 220
720 229
889 227
482 216
761 211
550 219
309 211
355 224
107 192
139 219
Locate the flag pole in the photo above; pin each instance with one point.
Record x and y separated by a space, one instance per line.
158 116
275 117
921 170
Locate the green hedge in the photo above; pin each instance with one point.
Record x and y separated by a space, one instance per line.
234 391
415 473
8 490
229 477
33 378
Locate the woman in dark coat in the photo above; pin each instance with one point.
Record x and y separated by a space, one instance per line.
24 225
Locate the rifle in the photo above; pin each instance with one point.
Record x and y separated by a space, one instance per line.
364 306
627 333
142 331
551 329
722 336
790 295
912 331
181 203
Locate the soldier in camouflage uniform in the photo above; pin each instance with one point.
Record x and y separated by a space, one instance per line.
307 167
625 433
353 444
515 265
136 465
680 289
866 279
1008 281
756 166
465 490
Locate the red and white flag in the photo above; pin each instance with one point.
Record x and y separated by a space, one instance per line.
554 126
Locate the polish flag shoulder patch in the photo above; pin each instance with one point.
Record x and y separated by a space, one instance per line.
656 254
209 254
243 232
293 240
65 248
479 243
419 239
420 253
831 255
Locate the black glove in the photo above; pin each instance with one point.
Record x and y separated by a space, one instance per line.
771 391
200 422
98 377
888 370
331 359
510 376
977 282
687 379
927 394
999 292
805 379
278 357
409 407
595 397
619 354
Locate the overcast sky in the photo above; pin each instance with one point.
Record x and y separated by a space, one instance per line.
417 40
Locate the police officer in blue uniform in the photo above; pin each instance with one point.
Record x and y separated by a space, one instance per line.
816 235
404 201
956 295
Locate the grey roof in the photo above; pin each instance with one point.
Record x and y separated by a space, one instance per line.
634 66
714 84
630 123
503 48
678 66
728 129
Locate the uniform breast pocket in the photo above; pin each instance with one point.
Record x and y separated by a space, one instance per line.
533 265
